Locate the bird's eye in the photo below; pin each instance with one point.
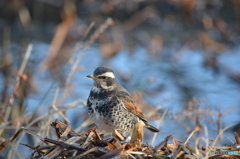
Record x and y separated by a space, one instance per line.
102 77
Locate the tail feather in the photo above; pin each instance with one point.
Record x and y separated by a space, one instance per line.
151 128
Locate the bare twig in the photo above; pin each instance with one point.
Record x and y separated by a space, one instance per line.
159 124
190 135
220 133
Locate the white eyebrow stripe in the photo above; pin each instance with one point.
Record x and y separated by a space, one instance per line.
108 74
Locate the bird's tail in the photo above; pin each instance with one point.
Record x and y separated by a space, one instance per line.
151 128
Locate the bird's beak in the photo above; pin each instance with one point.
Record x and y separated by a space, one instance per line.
92 76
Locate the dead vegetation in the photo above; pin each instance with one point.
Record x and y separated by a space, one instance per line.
65 143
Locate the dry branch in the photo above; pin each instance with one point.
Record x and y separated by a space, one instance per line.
91 144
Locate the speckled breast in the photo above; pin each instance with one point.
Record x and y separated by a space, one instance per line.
109 113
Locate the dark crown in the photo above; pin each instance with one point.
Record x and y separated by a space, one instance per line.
101 70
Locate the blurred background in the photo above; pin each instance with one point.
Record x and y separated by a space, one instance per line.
180 59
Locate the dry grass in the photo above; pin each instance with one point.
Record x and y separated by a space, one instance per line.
57 139
12 118
66 143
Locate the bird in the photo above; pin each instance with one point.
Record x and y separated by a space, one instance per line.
111 106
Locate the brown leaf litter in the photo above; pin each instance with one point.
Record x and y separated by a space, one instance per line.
67 144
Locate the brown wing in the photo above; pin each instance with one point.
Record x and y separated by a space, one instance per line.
134 108
131 105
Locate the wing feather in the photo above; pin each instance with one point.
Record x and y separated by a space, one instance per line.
131 105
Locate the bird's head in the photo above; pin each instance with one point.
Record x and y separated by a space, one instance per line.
103 78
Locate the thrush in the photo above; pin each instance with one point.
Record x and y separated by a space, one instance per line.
111 106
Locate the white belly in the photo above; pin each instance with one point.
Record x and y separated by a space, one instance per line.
101 122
